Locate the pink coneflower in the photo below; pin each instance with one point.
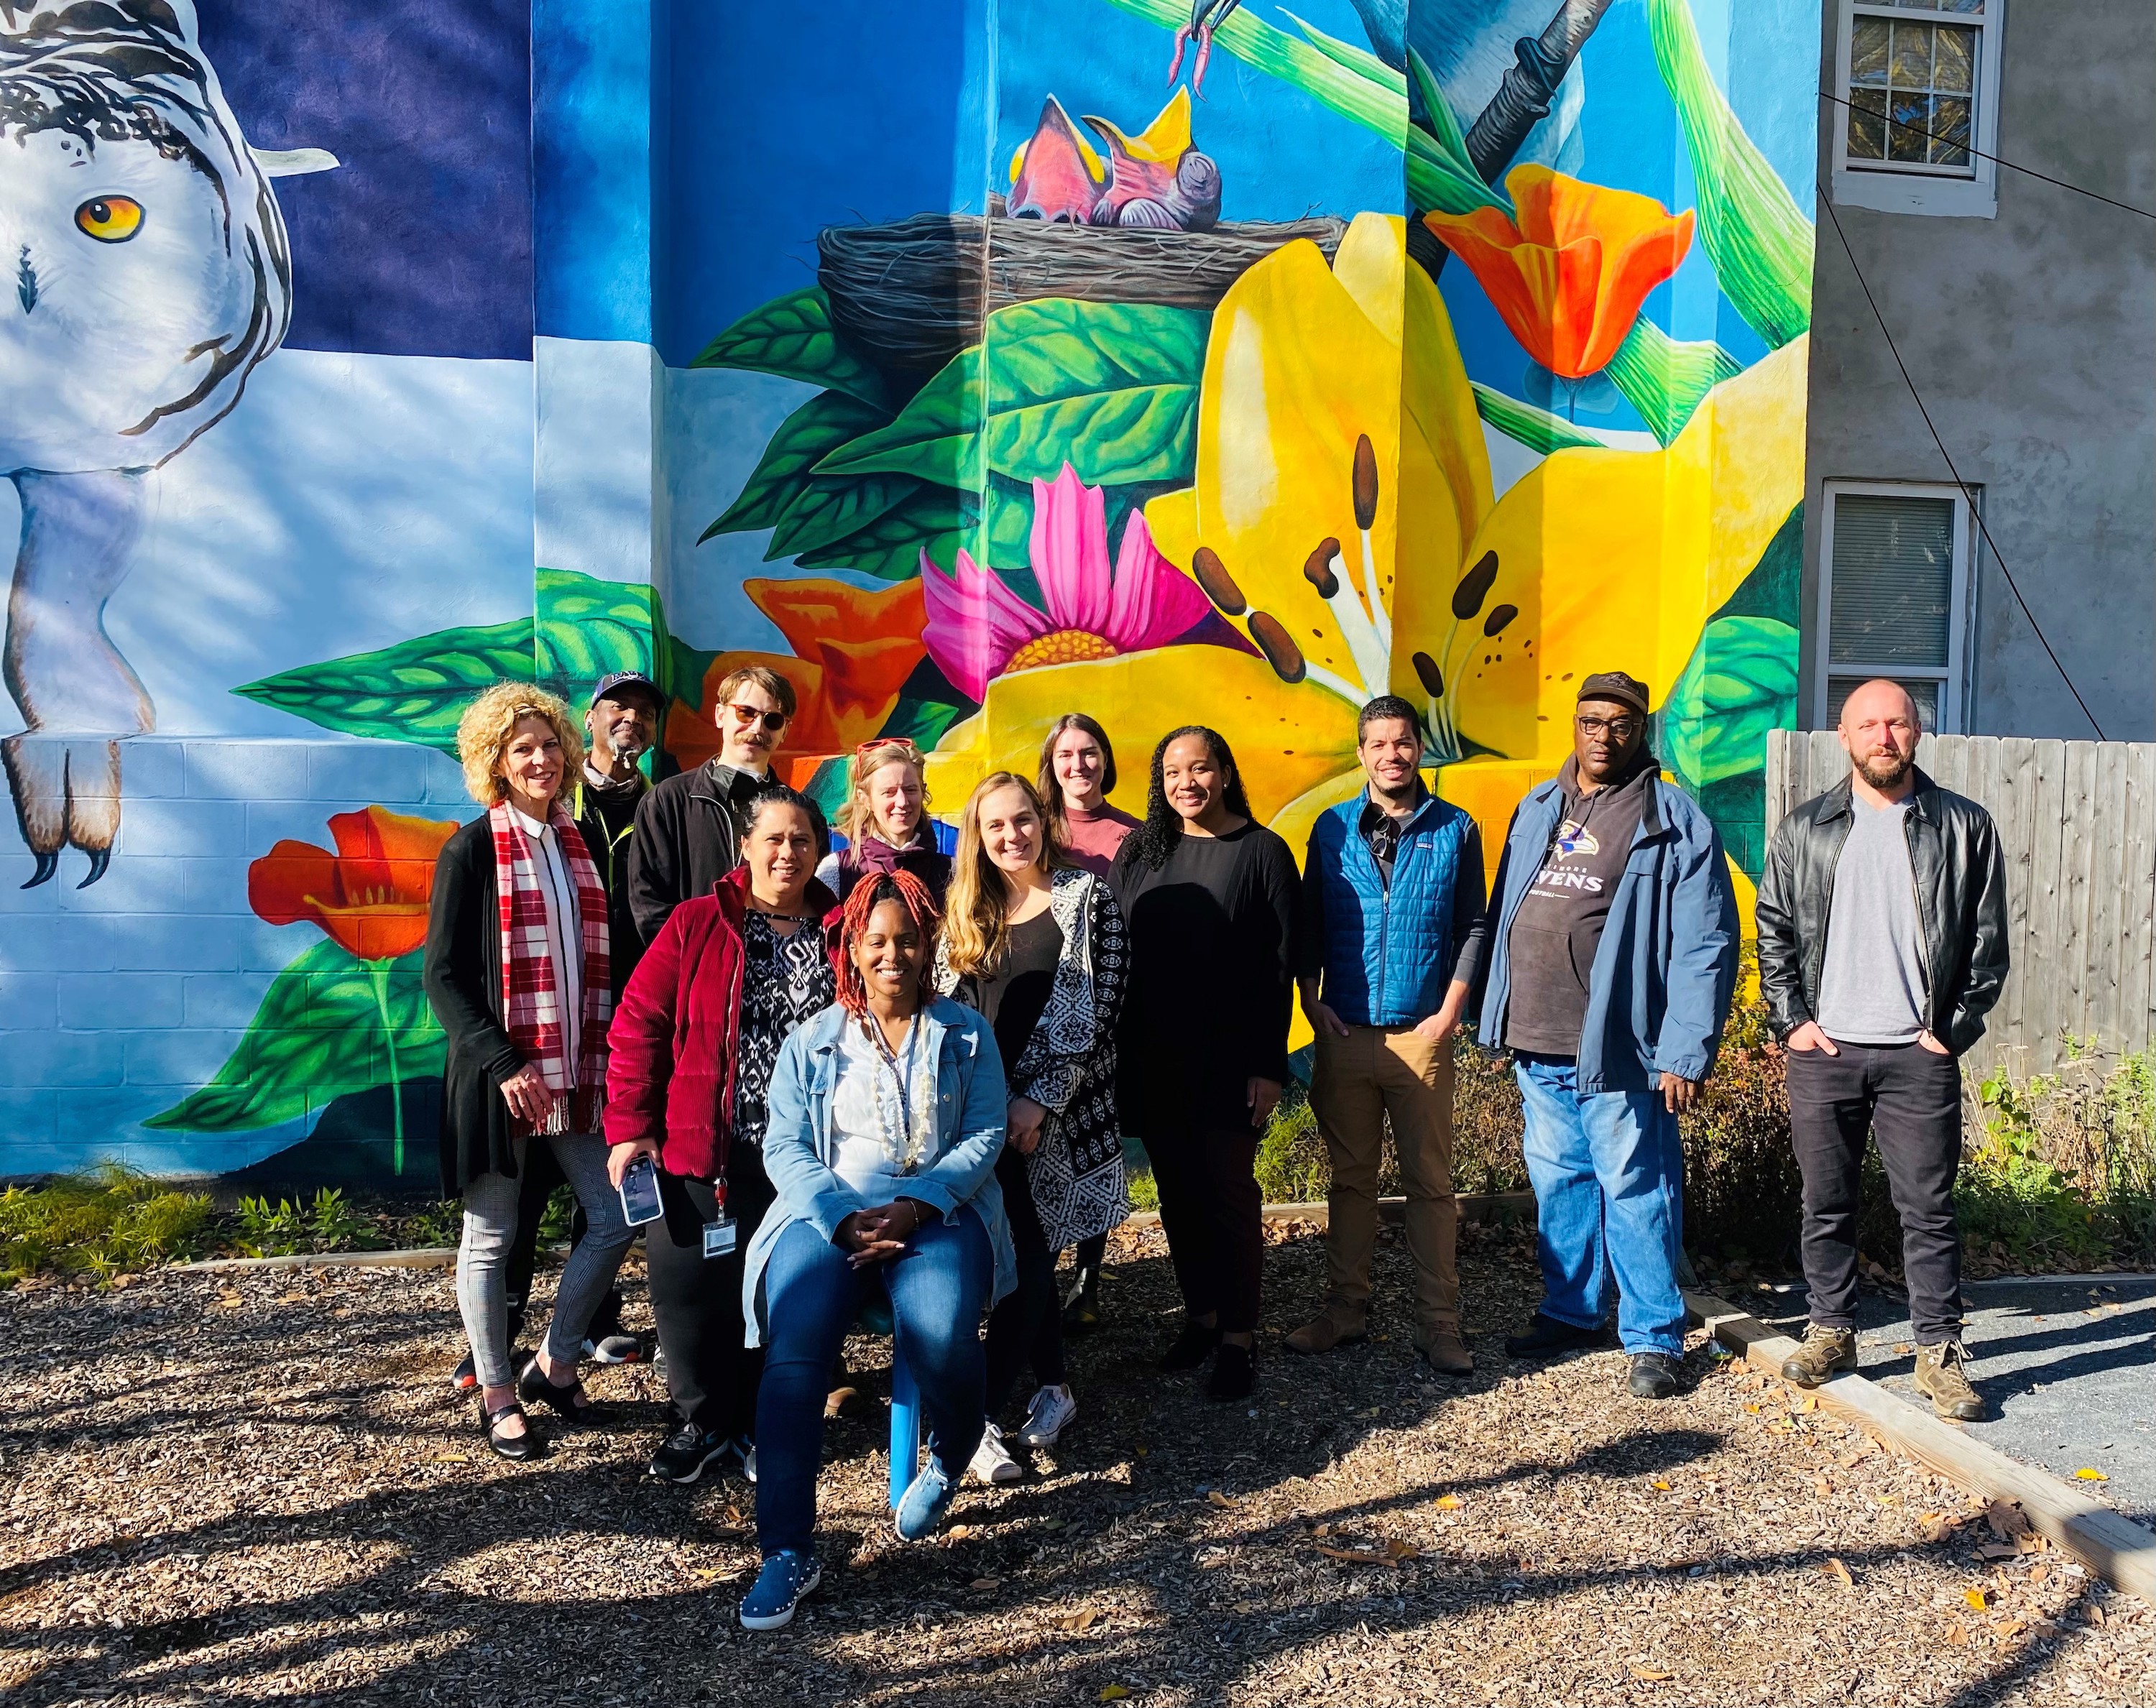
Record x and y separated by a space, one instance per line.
978 629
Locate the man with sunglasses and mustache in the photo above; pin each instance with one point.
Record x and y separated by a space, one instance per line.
688 829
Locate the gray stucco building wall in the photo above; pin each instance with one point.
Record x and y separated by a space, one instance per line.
2032 338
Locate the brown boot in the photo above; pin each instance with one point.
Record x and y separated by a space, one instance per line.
1336 1325
1940 1380
1445 1353
1826 1351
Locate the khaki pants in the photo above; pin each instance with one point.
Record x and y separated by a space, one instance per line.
1371 1073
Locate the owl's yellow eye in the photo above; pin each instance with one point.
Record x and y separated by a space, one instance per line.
111 219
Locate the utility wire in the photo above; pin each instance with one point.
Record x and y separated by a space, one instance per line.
2010 166
1974 509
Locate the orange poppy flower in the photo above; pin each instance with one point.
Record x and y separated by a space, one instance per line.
1568 273
371 896
853 649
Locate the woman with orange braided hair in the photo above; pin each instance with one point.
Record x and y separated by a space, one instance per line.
887 1112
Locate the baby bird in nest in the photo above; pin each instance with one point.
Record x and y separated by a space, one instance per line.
1157 179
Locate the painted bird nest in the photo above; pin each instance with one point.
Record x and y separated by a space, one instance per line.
910 295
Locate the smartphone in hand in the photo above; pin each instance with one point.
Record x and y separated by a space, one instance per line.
639 1193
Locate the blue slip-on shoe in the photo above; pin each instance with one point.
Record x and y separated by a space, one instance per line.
921 1510
787 1576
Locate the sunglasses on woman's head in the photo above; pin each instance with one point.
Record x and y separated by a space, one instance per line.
773 721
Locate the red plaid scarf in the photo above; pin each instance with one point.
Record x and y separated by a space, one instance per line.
530 988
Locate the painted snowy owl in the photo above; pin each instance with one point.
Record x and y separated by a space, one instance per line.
144 272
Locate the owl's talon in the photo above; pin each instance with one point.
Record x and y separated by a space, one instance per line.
100 858
49 861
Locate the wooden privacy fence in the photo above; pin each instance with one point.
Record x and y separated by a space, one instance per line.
2078 821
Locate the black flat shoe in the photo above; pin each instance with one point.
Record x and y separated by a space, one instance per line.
1546 1338
515 1449
568 1400
1082 1315
1190 1348
1655 1376
1235 1373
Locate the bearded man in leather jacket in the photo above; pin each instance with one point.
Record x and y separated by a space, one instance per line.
1882 945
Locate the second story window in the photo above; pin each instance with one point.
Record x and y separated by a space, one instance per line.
1918 85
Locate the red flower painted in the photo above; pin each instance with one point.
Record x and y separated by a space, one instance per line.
371 896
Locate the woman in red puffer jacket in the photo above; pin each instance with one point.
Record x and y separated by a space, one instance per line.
693 1043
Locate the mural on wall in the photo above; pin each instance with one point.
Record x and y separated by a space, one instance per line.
1260 364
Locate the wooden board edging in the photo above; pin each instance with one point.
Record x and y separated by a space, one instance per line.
2108 1543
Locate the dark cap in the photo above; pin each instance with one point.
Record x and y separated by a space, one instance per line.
611 685
1615 685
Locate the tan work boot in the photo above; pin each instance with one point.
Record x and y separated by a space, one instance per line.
1445 1353
1940 1380
1825 1352
1335 1326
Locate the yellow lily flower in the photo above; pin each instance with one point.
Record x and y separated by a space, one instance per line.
1342 516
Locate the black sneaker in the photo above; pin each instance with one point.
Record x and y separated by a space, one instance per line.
1546 1338
1235 1373
1655 1376
683 1455
1082 1314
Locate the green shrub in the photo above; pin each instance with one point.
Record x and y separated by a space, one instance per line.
108 1222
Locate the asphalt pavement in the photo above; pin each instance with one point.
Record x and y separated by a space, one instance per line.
2068 1366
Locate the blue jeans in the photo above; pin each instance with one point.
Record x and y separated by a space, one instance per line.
938 1287
1607 1172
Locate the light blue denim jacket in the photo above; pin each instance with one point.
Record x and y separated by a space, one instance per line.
973 1117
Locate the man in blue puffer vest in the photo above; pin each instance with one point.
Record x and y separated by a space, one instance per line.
1612 943
1391 905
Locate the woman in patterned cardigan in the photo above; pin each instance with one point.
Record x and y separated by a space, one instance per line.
1038 948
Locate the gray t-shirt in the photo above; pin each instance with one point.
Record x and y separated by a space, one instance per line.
1872 985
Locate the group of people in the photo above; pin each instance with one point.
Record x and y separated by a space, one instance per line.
889 1074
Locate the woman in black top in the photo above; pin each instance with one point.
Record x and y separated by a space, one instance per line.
1037 947
1210 900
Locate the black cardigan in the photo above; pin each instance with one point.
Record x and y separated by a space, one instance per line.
464 987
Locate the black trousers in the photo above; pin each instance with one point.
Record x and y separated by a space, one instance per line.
1027 1327
542 1175
711 1372
1213 1214
1909 1098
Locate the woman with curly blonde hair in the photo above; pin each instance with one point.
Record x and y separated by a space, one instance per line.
516 974
885 821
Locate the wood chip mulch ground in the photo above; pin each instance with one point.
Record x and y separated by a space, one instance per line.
241 1488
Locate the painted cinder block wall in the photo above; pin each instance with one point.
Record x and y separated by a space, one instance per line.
530 373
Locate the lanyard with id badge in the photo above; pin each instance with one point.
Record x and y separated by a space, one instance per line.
721 1236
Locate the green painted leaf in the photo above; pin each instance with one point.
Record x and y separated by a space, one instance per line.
317 1035
791 336
588 629
414 691
1006 540
1535 428
1664 379
1111 388
1441 177
935 519
1741 682
833 508
804 438
1759 240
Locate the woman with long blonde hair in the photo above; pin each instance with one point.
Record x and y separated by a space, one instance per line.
1036 945
885 821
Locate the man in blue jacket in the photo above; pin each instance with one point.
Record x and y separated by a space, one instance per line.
1612 951
1392 892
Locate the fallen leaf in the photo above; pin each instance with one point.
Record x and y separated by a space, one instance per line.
2005 1520
2039 1574
1755 1410
1976 1599
1850 1461
1647 1674
2095 1616
1141 1450
1998 1551
2087 1475
986 1583
1957 1632
1835 1569
1810 1402
1045 1524
1661 1483
1114 1693
1082 1620
449 1458
1244 1607
1822 1488
1450 1503
2010 1627
1360 1556
1399 1550
959 1532
230 1302
1216 1498
1323 1529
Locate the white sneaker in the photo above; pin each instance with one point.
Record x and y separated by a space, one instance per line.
1048 1414
991 1463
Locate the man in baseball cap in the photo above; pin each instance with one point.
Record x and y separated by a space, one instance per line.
1611 957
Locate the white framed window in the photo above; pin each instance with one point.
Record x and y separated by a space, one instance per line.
1917 113
1894 597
